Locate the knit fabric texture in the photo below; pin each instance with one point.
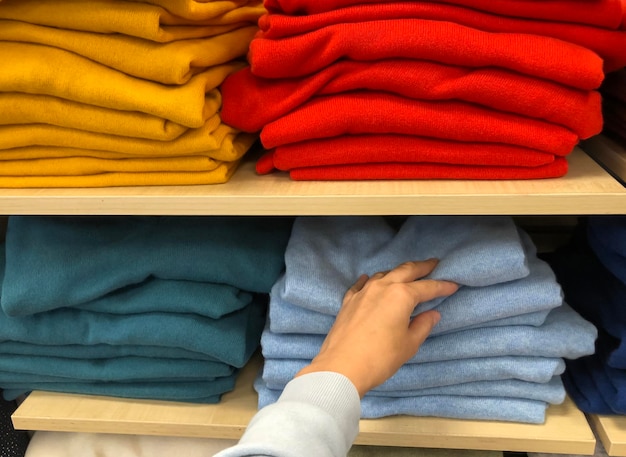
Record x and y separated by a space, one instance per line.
445 42
125 95
606 42
247 94
469 92
136 330
603 13
452 406
559 336
172 248
324 255
498 338
591 268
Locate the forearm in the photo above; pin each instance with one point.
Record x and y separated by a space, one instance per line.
317 414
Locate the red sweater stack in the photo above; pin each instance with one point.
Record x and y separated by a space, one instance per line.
354 89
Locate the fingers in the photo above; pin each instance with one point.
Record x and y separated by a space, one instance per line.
421 326
357 286
427 289
410 271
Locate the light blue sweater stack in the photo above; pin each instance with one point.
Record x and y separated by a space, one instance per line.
164 308
498 351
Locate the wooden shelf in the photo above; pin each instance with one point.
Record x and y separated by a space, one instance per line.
587 189
612 433
608 153
566 429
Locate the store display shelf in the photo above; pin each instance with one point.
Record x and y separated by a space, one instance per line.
586 189
608 153
566 429
612 433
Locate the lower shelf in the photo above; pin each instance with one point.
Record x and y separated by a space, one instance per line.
612 432
566 429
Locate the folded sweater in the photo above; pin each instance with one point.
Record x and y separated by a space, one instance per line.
607 238
68 167
138 19
603 13
371 112
45 70
21 108
123 369
593 291
205 299
439 41
597 387
564 334
450 406
397 171
287 318
45 166
525 301
580 386
551 392
198 10
214 140
208 391
54 262
607 43
219 175
99 351
246 94
231 339
397 149
168 63
277 373
325 255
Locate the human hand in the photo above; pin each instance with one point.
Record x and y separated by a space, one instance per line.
374 335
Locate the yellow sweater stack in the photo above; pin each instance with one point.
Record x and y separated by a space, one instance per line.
119 92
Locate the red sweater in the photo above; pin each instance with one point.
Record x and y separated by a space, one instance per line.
377 112
609 44
360 149
251 102
603 13
437 41
427 171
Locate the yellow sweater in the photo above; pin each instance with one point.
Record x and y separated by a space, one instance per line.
36 69
126 17
202 10
18 108
214 139
168 63
76 170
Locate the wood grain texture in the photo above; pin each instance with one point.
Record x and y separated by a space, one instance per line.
586 189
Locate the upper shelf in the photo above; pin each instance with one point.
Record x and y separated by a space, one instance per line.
586 189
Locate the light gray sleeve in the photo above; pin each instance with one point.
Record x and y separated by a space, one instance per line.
316 415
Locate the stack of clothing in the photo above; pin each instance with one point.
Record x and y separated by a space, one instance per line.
354 89
592 271
497 352
142 307
614 105
119 92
